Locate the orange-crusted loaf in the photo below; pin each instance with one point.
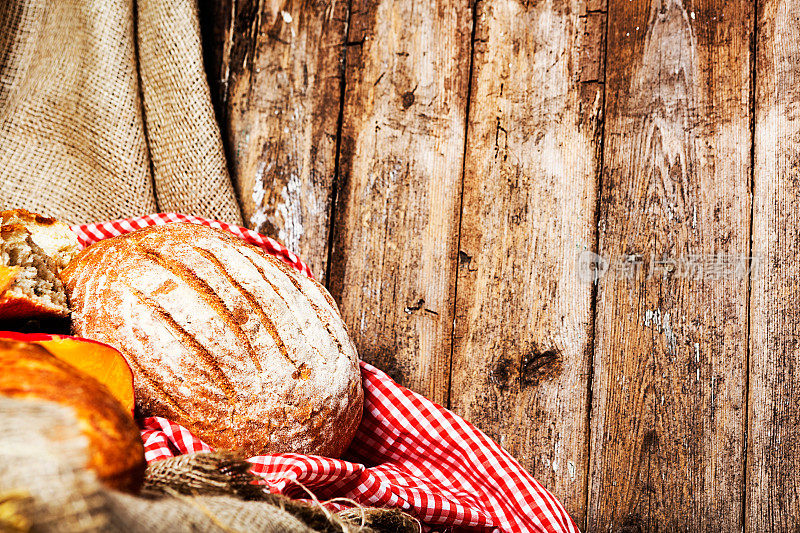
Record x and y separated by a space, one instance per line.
115 446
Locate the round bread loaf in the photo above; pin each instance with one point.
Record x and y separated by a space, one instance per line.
224 339
117 454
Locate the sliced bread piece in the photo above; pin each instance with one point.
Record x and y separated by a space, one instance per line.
55 238
36 289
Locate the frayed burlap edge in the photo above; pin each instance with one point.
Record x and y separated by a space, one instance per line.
228 473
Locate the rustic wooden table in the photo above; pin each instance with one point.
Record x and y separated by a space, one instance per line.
443 164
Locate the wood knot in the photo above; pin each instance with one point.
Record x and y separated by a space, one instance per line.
501 373
465 261
632 524
532 368
650 440
540 366
416 307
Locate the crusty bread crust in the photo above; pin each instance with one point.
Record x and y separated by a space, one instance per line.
23 215
115 446
222 338
18 306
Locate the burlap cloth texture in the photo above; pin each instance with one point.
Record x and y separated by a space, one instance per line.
105 112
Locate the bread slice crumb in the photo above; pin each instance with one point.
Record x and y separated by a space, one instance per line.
36 289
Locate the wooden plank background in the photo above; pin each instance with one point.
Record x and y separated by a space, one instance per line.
523 323
670 349
450 169
773 466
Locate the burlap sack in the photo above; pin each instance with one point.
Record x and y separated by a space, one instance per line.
105 111
45 487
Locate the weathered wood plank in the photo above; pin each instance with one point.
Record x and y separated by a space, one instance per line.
773 453
394 252
668 410
522 343
276 67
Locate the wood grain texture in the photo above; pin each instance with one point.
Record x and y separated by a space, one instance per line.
394 251
773 490
523 324
668 411
277 72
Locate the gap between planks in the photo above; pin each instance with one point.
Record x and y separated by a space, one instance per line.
337 154
596 285
474 8
749 293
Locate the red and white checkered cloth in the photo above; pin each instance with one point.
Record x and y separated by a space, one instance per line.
408 453
91 233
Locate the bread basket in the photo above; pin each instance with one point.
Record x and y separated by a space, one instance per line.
408 453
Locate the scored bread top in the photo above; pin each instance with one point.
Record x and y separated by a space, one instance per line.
222 338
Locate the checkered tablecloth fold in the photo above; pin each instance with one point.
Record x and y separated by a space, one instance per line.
408 452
